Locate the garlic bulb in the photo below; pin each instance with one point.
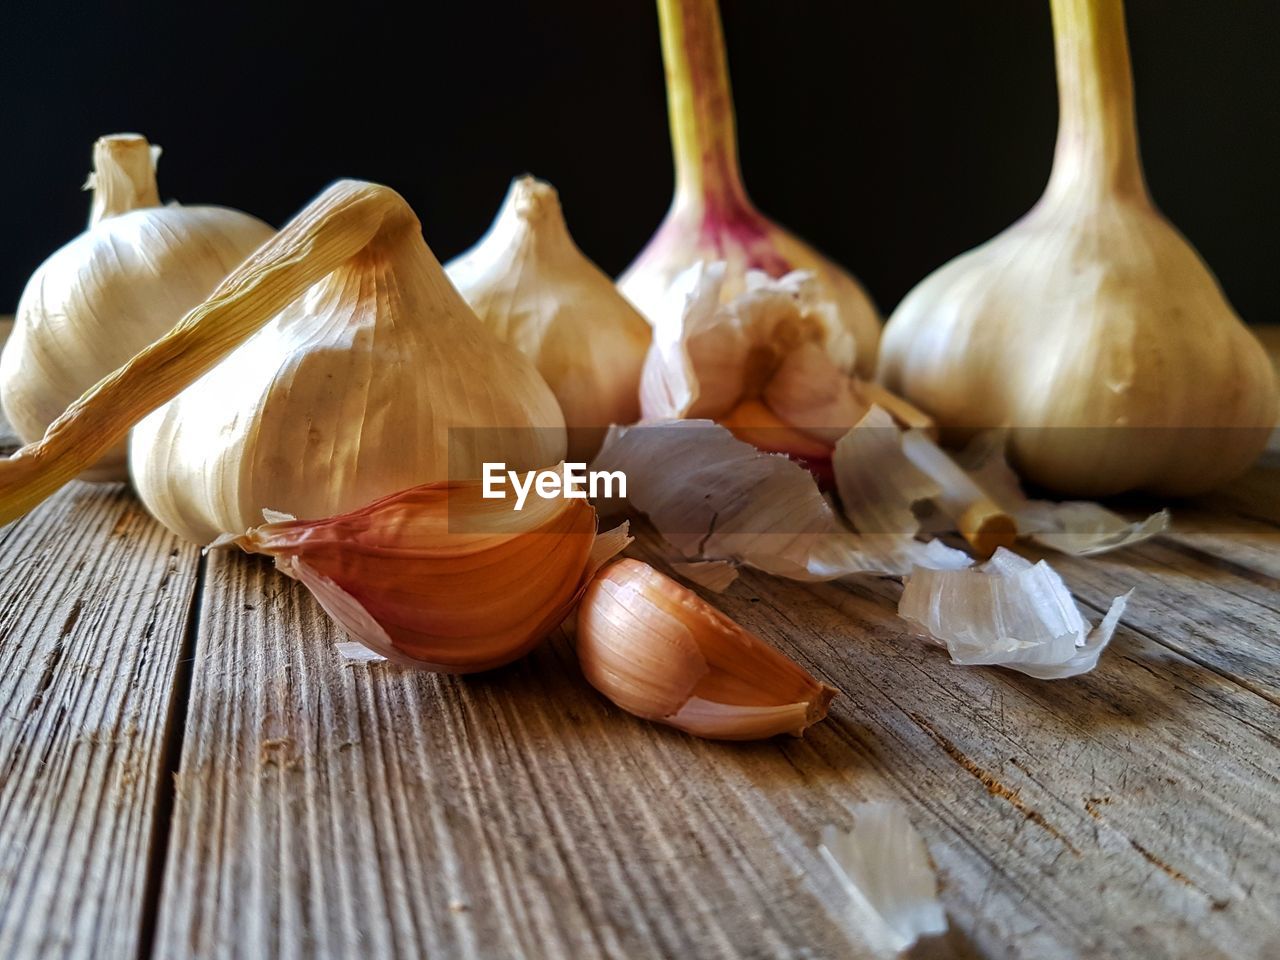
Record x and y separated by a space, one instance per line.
439 576
659 651
115 288
711 217
529 282
355 370
1090 326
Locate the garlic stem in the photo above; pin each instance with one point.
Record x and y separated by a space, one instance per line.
700 107
1097 148
124 176
336 226
978 518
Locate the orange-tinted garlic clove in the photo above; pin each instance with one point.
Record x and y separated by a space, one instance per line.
753 422
659 651
439 577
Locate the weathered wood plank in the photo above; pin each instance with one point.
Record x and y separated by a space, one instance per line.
94 600
326 809
1221 614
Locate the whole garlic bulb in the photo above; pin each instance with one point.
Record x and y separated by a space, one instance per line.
1091 326
529 282
114 289
711 217
374 378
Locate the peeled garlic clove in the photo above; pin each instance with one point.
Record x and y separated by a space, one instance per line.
759 426
532 286
711 217
659 651
118 286
1090 327
439 576
370 374
754 423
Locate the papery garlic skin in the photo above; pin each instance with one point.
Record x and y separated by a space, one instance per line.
114 289
442 578
378 379
529 282
711 217
1009 613
1091 327
659 651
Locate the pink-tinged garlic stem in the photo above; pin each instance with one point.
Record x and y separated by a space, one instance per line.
700 108
1097 148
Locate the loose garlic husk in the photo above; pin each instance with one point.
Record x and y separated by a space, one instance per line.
1090 327
114 289
439 576
336 365
711 217
529 282
659 651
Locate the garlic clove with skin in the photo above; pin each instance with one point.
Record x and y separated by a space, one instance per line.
711 217
121 284
439 576
659 651
336 365
1091 327
529 282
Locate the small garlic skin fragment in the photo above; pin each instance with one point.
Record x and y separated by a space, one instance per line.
440 577
1090 327
884 866
659 651
532 286
374 378
878 484
1009 613
114 289
711 217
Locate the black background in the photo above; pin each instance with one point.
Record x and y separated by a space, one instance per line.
891 135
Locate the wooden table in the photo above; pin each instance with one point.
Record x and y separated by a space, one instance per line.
190 771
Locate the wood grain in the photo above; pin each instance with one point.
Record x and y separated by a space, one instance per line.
93 601
336 810
325 809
